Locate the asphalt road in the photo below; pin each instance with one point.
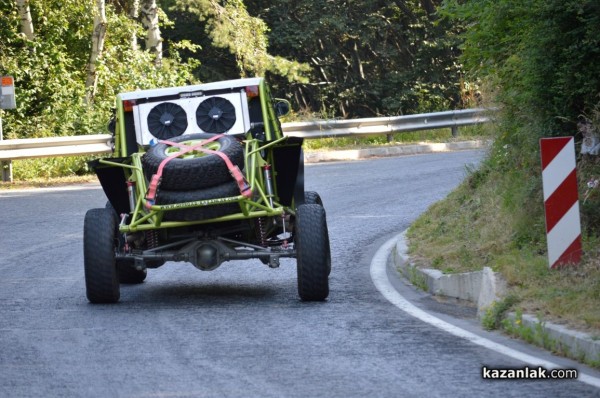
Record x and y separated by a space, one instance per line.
240 331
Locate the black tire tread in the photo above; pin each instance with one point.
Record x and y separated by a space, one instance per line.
204 212
197 173
313 252
312 198
101 280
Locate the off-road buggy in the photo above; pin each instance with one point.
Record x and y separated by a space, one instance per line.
203 174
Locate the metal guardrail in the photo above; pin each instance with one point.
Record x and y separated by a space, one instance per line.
387 125
29 148
100 143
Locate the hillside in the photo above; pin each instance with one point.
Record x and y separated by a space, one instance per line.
541 67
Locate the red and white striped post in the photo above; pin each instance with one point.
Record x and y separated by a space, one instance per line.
561 200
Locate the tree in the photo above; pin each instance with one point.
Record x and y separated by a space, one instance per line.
228 26
368 57
542 56
149 14
26 22
541 62
51 70
134 11
98 36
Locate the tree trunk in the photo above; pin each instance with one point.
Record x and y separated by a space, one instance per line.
26 22
429 8
134 8
97 48
149 11
358 62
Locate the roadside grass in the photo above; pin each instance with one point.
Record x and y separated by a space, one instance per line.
48 182
491 220
438 135
51 167
44 172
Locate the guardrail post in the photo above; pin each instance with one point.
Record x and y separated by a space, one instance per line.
6 171
454 131
5 166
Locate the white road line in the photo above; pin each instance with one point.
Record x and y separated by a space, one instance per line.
381 281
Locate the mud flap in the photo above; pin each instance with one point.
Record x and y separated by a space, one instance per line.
113 182
299 187
289 168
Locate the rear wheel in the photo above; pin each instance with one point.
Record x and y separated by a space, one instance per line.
312 252
101 278
312 198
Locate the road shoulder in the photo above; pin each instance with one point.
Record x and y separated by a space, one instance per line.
482 289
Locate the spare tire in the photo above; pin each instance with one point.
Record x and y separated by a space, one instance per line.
203 212
196 169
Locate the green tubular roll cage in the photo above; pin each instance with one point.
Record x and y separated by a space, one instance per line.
257 154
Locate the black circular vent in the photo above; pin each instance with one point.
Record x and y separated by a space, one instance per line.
215 115
167 120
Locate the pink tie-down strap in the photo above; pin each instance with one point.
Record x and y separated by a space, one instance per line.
233 169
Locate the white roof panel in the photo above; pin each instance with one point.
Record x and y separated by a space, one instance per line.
159 92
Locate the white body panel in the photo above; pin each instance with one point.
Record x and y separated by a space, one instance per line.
161 92
238 100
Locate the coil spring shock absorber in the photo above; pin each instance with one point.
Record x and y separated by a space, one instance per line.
268 183
131 195
261 231
152 239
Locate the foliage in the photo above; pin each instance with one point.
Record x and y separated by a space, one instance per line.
124 69
50 168
495 314
543 56
332 59
359 58
368 57
49 71
228 25
540 60
415 137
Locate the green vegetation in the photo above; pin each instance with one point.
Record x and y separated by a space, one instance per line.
369 57
541 64
331 59
413 137
47 168
495 315
50 69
